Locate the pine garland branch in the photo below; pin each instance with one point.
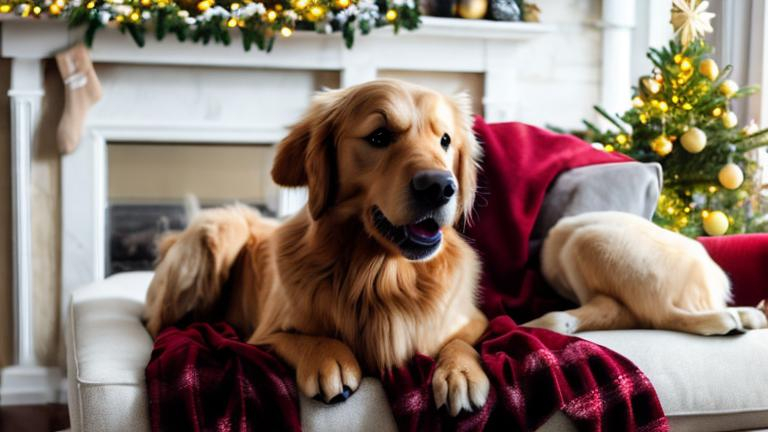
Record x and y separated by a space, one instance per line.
754 141
594 129
214 21
611 119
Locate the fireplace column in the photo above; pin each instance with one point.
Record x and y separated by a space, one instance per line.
25 382
618 24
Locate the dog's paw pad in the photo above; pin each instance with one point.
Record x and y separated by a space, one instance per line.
341 397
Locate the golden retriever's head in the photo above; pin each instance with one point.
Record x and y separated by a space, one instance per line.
400 157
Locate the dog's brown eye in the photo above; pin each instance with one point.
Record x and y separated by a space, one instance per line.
380 138
445 141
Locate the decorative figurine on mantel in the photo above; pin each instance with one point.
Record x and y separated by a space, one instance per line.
505 10
531 12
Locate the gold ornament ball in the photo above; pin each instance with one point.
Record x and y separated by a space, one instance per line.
730 120
661 145
472 9
716 223
694 140
650 86
731 176
728 88
709 69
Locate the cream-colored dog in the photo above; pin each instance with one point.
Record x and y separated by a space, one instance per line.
626 272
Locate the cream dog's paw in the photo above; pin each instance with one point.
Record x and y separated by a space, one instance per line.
459 381
752 318
561 322
328 372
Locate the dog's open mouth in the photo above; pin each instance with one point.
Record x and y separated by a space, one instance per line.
416 241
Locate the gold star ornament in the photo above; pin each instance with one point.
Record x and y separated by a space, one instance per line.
690 19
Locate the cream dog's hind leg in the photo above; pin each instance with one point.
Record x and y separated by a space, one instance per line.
599 313
605 313
717 322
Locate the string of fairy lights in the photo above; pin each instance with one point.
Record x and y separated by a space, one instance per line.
259 22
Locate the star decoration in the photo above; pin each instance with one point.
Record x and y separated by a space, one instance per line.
691 20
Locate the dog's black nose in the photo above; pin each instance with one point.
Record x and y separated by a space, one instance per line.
433 188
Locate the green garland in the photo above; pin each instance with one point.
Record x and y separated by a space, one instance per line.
259 22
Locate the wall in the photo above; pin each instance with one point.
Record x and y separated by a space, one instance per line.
559 73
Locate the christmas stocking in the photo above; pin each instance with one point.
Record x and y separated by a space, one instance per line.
82 90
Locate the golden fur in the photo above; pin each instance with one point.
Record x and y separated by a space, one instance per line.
627 272
326 288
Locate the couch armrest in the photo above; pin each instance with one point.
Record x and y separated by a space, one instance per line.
744 257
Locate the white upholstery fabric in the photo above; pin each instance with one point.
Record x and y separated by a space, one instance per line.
367 410
107 351
705 384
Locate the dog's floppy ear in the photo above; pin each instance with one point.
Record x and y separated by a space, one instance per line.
307 156
468 155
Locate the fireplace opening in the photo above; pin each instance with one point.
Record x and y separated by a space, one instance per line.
154 187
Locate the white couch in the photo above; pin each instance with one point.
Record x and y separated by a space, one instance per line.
705 384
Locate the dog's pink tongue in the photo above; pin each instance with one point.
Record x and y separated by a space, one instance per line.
423 229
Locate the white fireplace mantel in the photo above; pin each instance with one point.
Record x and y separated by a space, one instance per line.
440 45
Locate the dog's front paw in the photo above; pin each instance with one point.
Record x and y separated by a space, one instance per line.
329 372
459 381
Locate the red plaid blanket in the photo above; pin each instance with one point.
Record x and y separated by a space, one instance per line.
534 373
204 378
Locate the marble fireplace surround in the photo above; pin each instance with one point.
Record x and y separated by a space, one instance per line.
483 47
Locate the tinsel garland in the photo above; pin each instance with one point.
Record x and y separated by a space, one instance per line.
259 22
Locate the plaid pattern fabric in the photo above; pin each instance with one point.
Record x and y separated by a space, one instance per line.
534 373
203 378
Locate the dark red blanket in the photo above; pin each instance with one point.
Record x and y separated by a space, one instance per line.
203 378
744 258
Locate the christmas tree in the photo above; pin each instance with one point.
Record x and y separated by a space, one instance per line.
681 117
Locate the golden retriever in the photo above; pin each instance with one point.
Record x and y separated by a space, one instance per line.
626 272
372 271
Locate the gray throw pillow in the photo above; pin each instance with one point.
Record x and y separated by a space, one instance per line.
630 187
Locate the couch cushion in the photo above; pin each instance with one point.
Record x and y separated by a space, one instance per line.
630 187
704 383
